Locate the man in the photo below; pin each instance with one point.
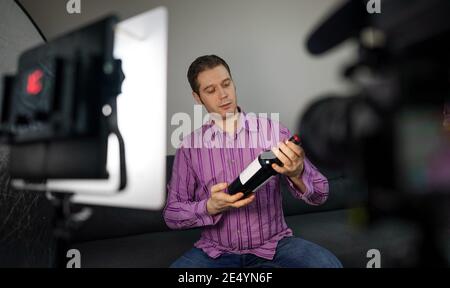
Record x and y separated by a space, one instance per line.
238 231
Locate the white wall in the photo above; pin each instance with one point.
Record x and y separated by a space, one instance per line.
262 40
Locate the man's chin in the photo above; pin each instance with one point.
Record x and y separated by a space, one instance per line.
223 114
229 112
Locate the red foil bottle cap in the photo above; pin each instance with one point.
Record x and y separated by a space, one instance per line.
296 139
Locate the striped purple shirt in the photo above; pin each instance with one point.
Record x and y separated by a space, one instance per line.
209 156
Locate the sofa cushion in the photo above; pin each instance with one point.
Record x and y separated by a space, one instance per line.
350 242
109 222
160 249
331 230
344 192
150 250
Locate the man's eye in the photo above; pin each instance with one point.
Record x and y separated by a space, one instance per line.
210 91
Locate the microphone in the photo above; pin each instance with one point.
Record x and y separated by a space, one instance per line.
345 23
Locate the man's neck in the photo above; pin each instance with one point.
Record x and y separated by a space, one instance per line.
229 124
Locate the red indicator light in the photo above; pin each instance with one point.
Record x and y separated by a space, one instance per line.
34 82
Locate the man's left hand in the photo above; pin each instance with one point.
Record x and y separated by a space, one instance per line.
292 157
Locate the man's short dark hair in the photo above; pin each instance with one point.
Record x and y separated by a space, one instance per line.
201 64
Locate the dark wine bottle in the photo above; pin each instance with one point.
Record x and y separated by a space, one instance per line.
258 172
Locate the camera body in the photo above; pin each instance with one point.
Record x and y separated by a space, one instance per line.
393 133
394 126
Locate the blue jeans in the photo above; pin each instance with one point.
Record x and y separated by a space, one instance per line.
292 252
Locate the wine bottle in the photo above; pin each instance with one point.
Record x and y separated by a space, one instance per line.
258 172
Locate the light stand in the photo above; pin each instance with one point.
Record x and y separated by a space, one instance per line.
64 222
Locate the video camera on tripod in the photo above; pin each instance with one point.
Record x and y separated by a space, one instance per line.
393 133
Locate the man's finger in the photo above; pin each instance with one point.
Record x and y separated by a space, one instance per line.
227 198
281 156
295 148
288 152
219 187
243 202
233 198
278 169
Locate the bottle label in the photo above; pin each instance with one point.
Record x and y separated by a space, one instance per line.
250 171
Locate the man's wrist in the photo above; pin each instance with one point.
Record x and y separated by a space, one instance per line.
210 209
298 183
298 175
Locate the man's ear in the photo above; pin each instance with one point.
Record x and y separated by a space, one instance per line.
197 98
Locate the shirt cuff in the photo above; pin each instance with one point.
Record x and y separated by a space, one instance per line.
306 178
203 215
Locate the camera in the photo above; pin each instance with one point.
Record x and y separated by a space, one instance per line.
393 131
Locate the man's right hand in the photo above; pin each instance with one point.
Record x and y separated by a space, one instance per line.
221 201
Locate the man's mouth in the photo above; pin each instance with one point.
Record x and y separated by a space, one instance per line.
226 105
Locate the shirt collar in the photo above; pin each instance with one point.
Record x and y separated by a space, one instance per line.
247 122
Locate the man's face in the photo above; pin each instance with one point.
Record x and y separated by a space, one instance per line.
216 91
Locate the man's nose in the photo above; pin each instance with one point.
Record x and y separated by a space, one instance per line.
222 93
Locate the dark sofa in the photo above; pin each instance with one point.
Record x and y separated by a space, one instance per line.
117 237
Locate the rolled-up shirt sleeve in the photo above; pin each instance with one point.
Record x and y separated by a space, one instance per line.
183 209
316 183
317 188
